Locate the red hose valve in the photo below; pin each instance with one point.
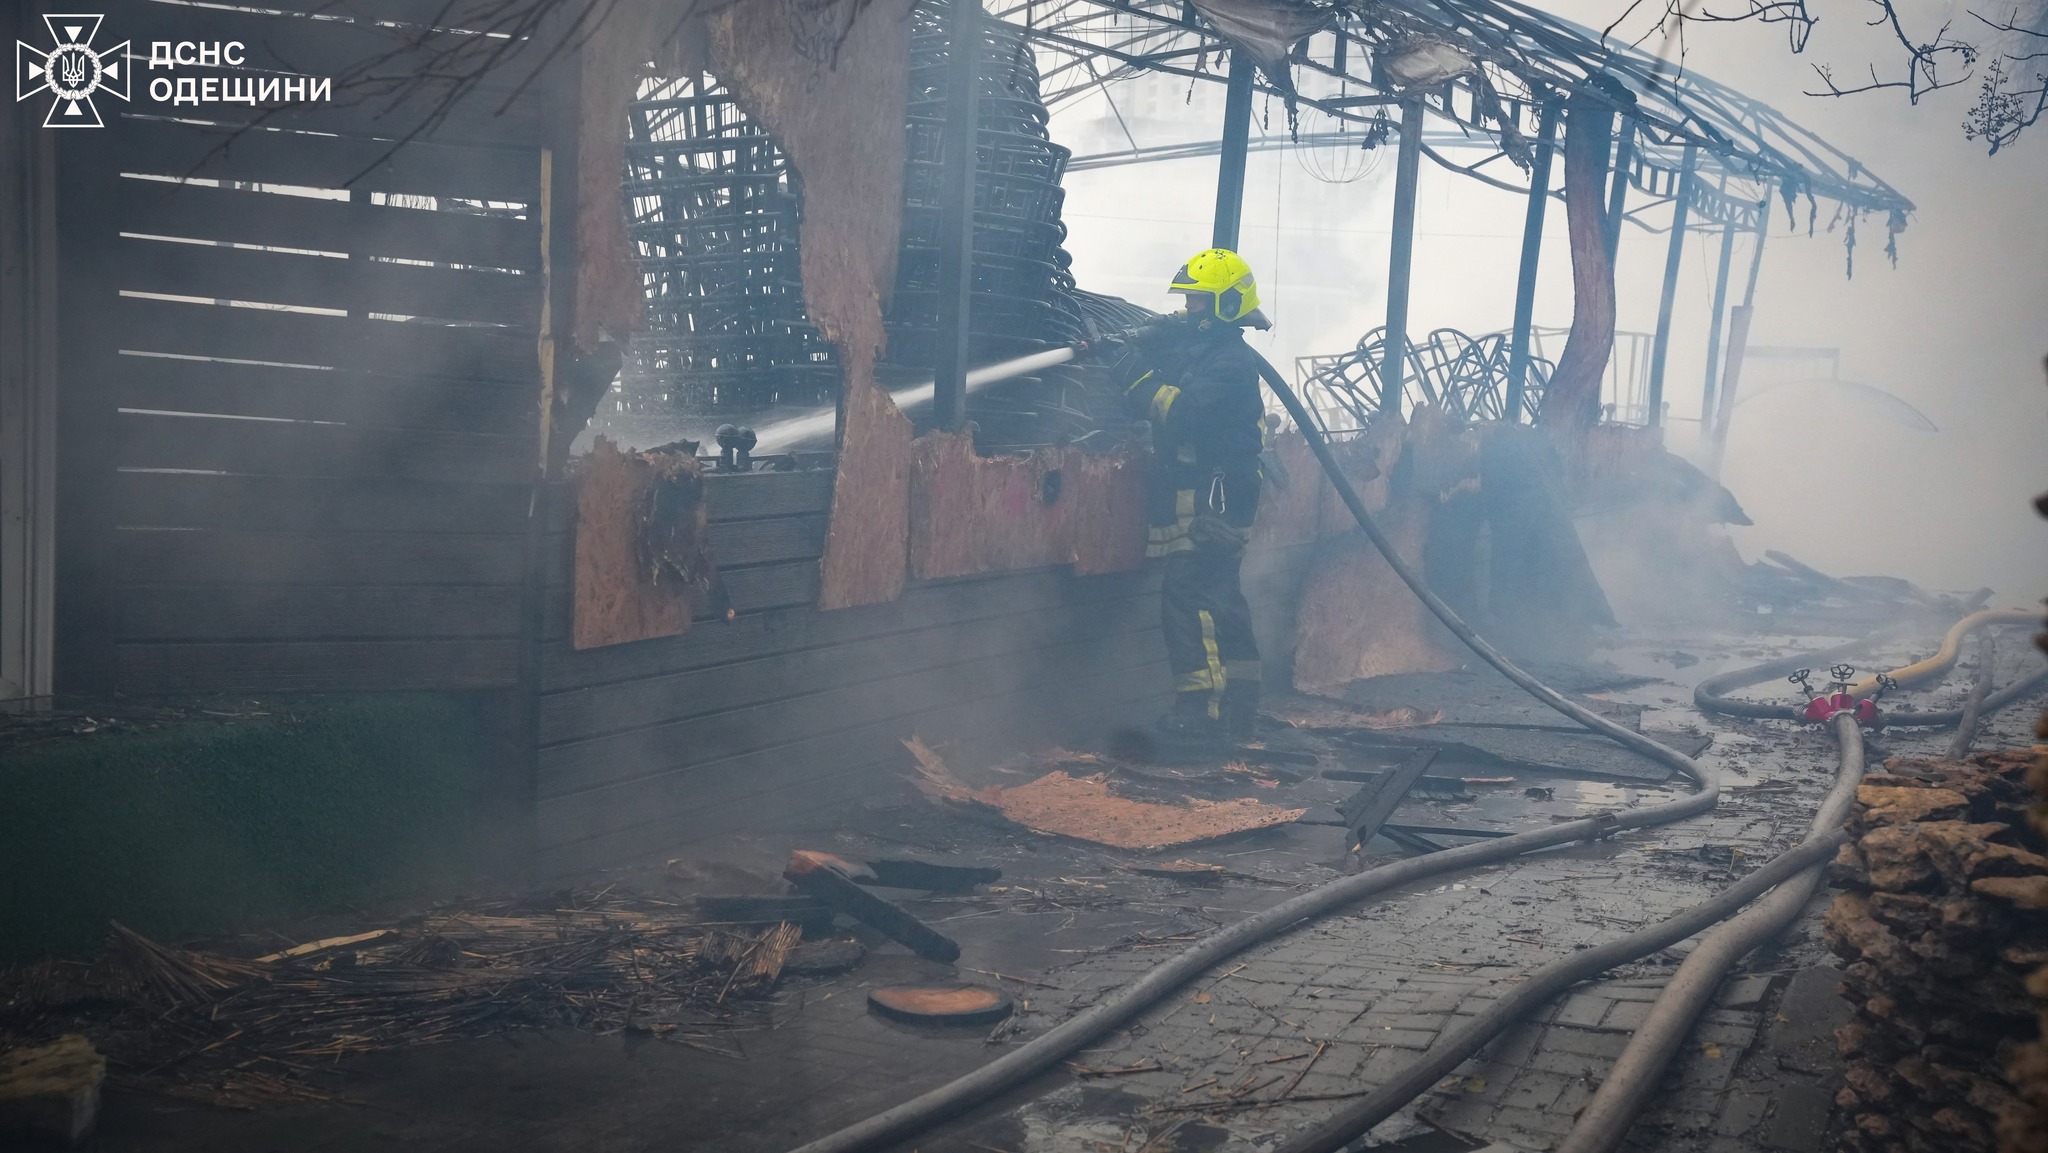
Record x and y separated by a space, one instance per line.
1822 707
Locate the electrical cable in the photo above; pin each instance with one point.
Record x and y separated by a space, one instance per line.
1048 1049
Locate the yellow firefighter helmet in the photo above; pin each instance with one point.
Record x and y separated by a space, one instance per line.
1223 277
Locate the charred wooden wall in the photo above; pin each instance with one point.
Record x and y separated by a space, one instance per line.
299 380
782 710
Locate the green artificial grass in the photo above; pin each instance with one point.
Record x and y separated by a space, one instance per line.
205 825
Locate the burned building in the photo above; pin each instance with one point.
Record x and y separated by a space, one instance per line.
628 524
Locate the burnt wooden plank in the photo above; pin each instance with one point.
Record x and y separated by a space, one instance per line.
303 448
762 788
241 216
584 713
315 666
747 542
600 761
202 557
742 496
370 400
821 876
316 504
933 605
727 496
361 285
268 335
268 155
768 586
314 612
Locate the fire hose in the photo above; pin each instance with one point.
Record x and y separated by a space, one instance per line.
1606 1118
1711 696
1045 1051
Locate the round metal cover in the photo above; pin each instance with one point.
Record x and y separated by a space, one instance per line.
941 1004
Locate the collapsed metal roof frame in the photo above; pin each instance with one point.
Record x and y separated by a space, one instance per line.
1524 58
1506 69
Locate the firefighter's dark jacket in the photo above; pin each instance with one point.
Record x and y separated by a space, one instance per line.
1197 381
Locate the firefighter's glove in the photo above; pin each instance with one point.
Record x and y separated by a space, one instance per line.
1212 534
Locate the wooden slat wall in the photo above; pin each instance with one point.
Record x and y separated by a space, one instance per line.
290 484
784 710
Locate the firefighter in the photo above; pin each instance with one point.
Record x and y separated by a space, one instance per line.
1193 377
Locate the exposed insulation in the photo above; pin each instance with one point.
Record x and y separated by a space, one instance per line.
1356 618
640 559
1084 808
829 80
634 38
867 546
976 514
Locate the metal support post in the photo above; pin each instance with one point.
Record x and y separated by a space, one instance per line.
1674 255
1237 134
1713 380
1532 248
956 214
1402 253
1738 342
1617 197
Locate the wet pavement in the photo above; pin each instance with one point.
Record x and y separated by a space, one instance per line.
1266 1043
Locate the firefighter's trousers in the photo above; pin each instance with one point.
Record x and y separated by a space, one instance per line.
1208 629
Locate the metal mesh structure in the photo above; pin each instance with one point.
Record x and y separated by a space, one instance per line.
1021 277
1465 376
714 206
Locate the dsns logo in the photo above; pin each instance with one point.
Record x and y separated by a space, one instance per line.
72 71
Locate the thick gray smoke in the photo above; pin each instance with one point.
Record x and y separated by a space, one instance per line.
1838 476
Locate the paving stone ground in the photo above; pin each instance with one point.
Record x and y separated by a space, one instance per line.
1276 1039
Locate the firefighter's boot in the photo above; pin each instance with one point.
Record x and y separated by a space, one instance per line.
1241 711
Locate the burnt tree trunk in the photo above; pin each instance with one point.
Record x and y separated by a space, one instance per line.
1571 401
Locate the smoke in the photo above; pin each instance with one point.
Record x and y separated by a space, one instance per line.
1956 331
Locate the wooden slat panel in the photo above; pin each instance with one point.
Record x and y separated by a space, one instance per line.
772 586
203 212
259 334
887 692
317 504
335 395
727 496
741 496
175 557
274 156
795 791
318 612
475 118
341 37
320 666
297 448
586 713
746 542
921 607
216 272
746 790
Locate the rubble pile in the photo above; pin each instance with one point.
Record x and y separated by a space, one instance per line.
1940 925
2024 1128
241 1030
